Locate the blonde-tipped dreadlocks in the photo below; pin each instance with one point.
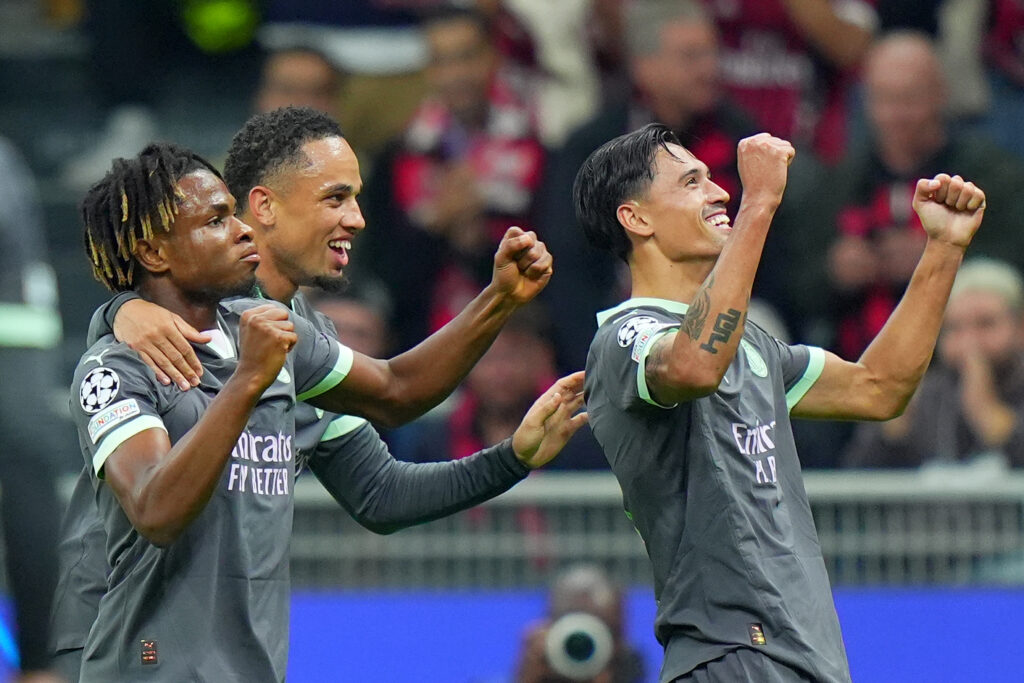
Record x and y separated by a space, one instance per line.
136 198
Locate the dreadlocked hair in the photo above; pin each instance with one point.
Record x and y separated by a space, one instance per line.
270 141
136 198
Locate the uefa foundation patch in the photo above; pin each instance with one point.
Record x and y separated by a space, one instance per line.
149 652
757 635
105 420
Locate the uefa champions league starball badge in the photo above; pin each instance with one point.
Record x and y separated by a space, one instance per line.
98 389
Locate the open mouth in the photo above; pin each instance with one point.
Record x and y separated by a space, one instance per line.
341 248
719 220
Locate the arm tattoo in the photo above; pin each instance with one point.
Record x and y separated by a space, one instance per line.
657 358
725 325
693 323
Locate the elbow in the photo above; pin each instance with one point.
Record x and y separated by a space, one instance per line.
688 383
158 528
885 401
160 535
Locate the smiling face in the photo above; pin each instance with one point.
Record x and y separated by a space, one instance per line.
683 209
315 214
209 253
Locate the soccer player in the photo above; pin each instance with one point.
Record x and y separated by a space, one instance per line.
691 402
195 487
271 159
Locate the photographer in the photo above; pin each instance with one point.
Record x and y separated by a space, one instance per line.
570 639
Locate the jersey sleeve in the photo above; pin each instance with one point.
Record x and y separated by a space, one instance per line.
113 398
320 363
622 349
801 368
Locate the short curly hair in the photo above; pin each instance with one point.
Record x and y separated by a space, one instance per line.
268 143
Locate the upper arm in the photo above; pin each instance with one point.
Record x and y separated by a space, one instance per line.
128 465
628 358
842 390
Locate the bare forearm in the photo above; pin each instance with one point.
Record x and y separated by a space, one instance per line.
707 340
178 488
900 353
407 386
841 42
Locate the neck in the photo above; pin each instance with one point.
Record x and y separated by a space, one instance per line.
273 283
197 311
663 279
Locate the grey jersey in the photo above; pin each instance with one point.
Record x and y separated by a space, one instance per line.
714 488
344 452
214 604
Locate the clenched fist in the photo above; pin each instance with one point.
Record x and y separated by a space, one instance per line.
763 162
266 335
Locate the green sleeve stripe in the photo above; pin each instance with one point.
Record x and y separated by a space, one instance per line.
334 376
341 426
815 364
122 434
32 327
641 375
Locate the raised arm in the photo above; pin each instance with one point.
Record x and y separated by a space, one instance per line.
163 487
690 363
385 495
880 384
395 391
840 36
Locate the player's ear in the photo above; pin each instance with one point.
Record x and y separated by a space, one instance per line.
151 255
633 218
261 205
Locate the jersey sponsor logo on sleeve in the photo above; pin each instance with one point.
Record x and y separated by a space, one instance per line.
105 420
754 359
98 389
629 330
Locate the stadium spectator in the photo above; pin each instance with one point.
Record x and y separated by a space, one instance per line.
971 402
299 77
360 314
691 402
672 54
30 334
505 379
586 589
790 63
854 234
465 169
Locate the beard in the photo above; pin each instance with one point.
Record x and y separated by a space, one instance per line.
331 285
243 287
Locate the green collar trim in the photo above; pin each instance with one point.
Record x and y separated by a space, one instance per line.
667 304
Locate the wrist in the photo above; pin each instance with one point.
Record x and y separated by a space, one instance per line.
246 385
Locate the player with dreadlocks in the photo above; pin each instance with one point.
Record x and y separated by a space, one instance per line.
194 488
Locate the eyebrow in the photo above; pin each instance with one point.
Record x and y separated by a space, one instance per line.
341 188
695 171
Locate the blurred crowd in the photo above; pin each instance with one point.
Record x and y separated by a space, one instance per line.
473 115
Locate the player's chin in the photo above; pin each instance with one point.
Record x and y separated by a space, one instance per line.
240 287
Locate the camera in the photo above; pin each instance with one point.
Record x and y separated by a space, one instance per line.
578 646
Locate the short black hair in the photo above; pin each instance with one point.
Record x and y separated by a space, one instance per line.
270 141
134 199
618 170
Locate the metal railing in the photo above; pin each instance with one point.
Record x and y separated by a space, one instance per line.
896 528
